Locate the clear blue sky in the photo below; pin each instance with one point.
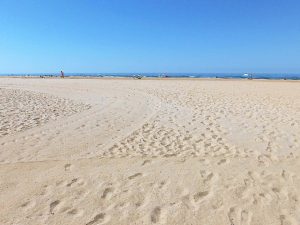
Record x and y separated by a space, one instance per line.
149 36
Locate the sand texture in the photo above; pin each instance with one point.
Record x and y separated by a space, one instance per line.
22 110
173 151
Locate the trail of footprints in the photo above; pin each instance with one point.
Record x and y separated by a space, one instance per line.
263 191
199 135
165 136
70 197
154 139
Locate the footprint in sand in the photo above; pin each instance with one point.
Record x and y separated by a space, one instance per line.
72 182
134 176
162 184
99 219
200 195
107 193
239 216
211 177
146 162
75 212
222 161
28 205
231 216
155 215
53 206
284 220
68 167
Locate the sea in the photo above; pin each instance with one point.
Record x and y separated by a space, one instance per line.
270 76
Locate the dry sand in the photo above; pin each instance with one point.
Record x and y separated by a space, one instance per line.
121 151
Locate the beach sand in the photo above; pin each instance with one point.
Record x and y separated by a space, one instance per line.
150 151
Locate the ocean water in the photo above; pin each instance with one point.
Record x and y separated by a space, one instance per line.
174 75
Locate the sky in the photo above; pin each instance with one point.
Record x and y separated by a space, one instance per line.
209 36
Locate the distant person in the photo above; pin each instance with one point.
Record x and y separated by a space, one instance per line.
62 74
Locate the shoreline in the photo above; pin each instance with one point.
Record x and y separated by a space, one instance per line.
154 78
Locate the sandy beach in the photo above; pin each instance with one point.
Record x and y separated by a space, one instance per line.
150 151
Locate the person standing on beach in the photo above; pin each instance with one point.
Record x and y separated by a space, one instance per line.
62 74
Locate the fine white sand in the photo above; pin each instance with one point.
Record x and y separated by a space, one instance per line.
169 151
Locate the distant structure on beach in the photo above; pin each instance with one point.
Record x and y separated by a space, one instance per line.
137 76
62 75
164 75
249 76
